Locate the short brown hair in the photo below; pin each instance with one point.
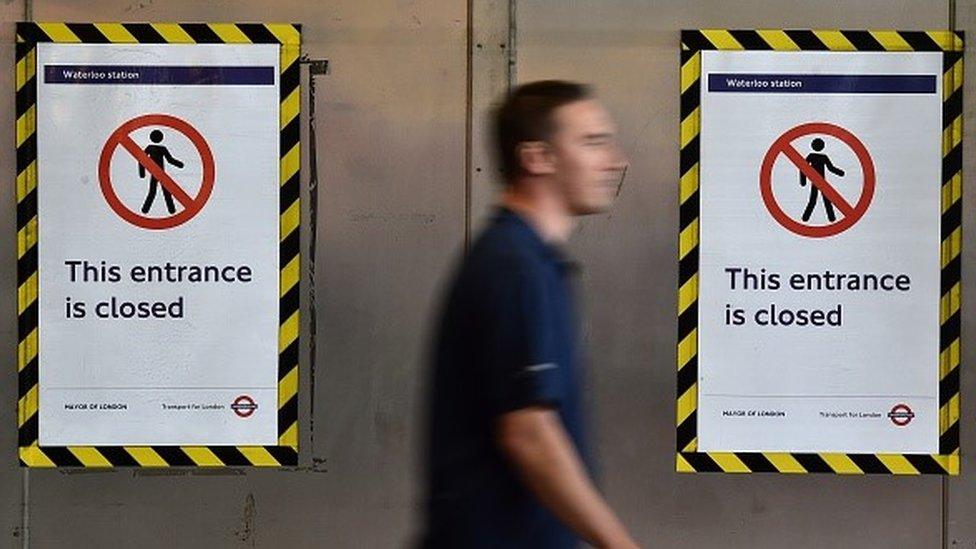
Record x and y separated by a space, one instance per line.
526 115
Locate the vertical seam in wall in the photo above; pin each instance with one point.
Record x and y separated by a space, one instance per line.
512 39
25 508
468 123
312 235
945 512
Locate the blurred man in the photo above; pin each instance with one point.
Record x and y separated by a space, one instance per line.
508 454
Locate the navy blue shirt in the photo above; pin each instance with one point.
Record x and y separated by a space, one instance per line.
507 341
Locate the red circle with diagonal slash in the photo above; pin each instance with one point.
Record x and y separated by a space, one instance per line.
783 145
123 137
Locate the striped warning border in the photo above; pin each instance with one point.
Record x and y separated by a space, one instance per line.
689 459
31 453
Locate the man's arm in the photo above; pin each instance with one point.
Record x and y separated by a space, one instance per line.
535 441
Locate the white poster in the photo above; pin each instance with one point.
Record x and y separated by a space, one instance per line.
819 252
158 244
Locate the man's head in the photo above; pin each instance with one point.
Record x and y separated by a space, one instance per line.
817 144
556 136
156 136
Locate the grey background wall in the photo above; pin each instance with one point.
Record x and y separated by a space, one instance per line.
399 189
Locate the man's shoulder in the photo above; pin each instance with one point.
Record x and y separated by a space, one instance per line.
504 247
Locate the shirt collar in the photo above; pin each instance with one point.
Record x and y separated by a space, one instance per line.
551 253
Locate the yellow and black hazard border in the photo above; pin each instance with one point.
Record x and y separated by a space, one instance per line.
689 459
288 36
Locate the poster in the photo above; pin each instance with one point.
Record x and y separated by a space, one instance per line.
820 273
159 230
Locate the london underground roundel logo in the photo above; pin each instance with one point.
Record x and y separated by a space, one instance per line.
901 415
244 406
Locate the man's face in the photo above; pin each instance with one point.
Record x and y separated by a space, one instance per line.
588 162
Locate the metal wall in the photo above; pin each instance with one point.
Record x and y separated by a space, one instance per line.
10 485
630 51
391 158
961 491
393 149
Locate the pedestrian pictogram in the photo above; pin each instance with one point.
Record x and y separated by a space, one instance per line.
161 156
152 161
820 163
813 168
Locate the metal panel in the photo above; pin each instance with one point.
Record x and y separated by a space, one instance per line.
391 150
961 496
391 128
629 49
492 68
10 475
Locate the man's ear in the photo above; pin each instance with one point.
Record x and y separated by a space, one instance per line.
536 158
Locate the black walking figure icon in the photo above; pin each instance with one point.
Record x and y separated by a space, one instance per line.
819 162
160 155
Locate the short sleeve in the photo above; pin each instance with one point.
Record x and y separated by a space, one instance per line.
521 367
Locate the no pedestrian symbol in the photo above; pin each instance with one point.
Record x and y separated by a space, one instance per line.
152 161
813 168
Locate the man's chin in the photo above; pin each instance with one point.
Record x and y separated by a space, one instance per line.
590 209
